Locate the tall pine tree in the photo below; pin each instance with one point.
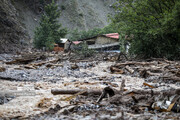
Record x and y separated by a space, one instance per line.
49 30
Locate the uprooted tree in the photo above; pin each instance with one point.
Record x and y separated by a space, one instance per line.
49 30
154 24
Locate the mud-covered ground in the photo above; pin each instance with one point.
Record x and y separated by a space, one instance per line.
35 101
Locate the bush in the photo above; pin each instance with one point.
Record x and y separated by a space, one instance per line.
153 23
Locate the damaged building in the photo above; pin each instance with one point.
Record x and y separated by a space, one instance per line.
100 42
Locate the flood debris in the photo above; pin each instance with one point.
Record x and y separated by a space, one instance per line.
44 103
74 96
4 98
164 101
98 87
2 69
75 91
107 91
74 66
167 104
50 65
27 58
163 69
115 70
146 84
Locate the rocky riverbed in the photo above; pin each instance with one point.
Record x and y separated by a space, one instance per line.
26 90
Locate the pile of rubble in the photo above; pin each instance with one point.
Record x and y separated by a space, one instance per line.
161 70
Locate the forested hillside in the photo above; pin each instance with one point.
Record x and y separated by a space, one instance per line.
20 17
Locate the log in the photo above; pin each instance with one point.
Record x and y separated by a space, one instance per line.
54 65
49 63
175 79
116 70
144 92
98 92
37 64
133 63
61 91
146 84
29 67
77 61
15 79
144 73
25 59
129 69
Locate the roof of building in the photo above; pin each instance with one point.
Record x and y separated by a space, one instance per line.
110 35
63 40
76 42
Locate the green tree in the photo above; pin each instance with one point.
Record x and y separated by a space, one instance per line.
111 28
154 25
77 35
49 30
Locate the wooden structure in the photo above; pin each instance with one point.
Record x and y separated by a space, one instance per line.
103 42
61 46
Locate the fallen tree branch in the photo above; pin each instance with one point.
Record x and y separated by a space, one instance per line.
106 91
61 91
25 59
15 79
2 69
167 92
122 85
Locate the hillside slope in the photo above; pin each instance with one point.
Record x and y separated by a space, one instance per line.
24 16
12 33
85 14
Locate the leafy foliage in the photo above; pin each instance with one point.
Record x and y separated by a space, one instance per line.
49 31
154 24
78 35
84 51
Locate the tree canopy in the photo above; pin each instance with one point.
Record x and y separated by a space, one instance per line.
154 25
77 35
49 30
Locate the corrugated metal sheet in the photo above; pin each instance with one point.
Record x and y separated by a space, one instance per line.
76 42
63 40
113 35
